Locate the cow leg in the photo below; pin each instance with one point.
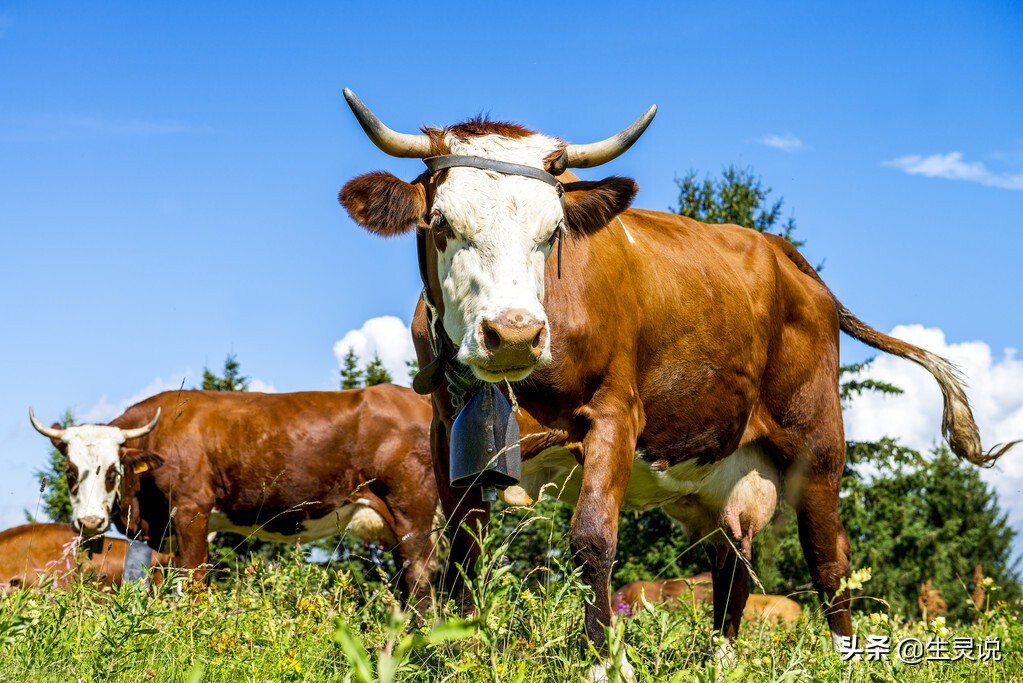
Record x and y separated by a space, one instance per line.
413 555
608 450
465 511
191 525
826 549
731 590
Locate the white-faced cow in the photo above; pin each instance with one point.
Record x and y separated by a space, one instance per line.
688 366
285 467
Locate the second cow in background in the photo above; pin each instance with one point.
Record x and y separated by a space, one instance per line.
286 467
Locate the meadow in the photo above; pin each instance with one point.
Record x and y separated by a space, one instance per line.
294 620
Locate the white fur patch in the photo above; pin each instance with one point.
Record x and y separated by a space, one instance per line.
502 224
357 519
738 493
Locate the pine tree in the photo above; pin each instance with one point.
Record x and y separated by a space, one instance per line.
351 375
376 373
231 381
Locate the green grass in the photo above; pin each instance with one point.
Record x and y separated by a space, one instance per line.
295 621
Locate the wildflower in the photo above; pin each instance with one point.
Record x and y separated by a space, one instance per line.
858 578
291 663
987 581
877 618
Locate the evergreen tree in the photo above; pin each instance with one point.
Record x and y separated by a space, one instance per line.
375 372
413 368
231 381
56 499
351 375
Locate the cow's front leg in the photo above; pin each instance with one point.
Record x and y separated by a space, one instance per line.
191 526
466 514
608 450
731 591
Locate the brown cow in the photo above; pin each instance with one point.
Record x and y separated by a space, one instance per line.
286 467
32 554
696 590
687 366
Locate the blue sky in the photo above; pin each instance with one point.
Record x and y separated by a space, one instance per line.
168 175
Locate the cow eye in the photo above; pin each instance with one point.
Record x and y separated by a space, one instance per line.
442 231
439 224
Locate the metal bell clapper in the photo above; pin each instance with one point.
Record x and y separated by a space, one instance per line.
485 444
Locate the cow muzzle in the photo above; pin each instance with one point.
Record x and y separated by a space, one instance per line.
513 342
91 525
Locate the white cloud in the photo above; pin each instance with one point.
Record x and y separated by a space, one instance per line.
995 389
952 167
786 142
387 337
105 410
262 386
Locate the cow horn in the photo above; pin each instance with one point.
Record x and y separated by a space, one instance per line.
141 431
391 142
51 432
597 153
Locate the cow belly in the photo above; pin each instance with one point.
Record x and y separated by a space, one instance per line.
738 493
356 519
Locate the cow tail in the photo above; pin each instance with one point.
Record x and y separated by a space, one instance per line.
957 424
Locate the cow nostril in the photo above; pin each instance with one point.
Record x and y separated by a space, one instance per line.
538 339
491 339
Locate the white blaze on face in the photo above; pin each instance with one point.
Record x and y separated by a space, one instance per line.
94 453
502 225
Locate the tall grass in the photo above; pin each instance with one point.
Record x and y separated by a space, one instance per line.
291 620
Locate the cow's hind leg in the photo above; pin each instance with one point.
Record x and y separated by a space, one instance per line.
826 549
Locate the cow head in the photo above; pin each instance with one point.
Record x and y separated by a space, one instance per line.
95 460
493 231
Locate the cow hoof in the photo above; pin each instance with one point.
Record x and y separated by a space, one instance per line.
604 673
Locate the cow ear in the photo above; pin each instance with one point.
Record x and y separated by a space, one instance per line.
57 443
139 461
590 205
384 204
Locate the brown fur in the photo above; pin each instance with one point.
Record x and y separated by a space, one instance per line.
978 595
590 205
930 602
697 590
276 460
36 554
384 204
